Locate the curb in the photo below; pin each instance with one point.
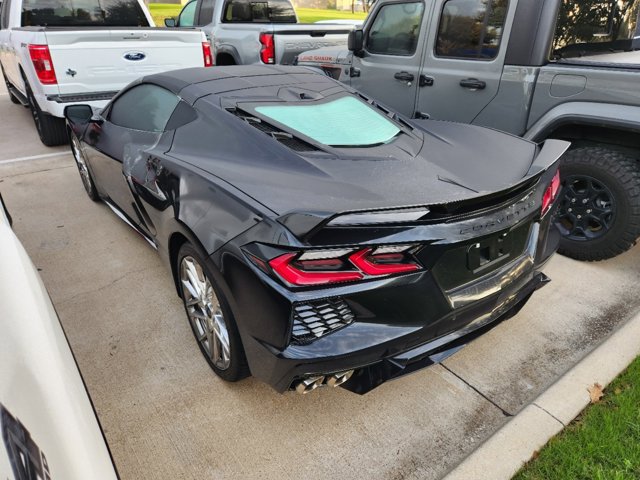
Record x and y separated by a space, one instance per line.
503 454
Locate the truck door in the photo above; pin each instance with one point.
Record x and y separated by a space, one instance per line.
390 64
463 59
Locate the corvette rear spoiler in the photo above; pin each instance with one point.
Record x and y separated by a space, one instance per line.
305 224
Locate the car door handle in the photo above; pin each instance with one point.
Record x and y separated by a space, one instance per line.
404 76
473 83
426 81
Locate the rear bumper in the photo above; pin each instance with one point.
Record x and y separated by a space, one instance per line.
400 324
367 378
55 104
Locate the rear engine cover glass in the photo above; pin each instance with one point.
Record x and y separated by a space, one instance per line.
343 122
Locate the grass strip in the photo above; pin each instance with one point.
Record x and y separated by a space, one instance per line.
603 443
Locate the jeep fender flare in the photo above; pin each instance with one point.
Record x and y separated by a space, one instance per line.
624 117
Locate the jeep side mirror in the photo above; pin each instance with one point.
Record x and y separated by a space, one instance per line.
78 113
170 22
355 42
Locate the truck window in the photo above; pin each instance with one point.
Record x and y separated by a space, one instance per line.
395 29
4 13
471 29
588 27
187 16
271 11
145 107
83 13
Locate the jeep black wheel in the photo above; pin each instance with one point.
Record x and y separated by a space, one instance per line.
599 212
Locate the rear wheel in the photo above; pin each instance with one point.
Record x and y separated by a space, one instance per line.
209 315
599 213
51 129
83 169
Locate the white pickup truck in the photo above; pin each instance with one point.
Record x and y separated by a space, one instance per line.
56 53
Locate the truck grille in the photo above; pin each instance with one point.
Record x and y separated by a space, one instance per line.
312 320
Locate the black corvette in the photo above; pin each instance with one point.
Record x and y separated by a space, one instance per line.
314 236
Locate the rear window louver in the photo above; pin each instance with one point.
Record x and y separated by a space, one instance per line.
285 138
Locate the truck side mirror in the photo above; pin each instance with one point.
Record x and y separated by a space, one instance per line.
170 22
78 113
355 42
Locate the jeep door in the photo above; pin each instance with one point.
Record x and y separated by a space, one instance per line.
389 65
464 58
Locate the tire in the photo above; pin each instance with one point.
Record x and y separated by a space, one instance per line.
83 169
12 97
52 130
599 212
213 315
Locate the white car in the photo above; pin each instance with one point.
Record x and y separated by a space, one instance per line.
49 428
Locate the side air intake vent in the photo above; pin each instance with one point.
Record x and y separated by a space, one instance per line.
285 138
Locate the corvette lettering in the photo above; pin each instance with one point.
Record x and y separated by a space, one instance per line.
520 210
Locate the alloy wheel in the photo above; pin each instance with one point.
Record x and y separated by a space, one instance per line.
80 161
587 208
205 313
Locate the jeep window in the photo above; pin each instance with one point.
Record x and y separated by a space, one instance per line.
83 13
266 11
588 27
395 29
471 29
144 107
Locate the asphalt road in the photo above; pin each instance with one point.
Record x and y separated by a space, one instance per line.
167 416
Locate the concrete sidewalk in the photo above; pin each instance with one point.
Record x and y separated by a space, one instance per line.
166 415
504 453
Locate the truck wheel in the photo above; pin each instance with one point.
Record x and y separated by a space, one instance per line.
51 129
12 97
599 212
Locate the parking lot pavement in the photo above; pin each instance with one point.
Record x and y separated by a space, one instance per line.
166 415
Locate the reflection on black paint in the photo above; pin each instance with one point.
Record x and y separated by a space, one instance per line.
27 461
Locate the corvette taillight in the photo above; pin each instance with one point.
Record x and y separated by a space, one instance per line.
297 274
320 267
551 193
42 63
268 49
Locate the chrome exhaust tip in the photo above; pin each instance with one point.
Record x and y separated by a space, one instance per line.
338 379
309 384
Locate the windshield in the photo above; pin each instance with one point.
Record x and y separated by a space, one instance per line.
345 122
588 27
83 13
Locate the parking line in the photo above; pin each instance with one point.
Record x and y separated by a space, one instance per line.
35 157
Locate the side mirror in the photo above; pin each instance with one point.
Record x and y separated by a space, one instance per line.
78 113
170 22
355 42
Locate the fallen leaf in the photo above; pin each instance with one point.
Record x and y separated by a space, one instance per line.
595 392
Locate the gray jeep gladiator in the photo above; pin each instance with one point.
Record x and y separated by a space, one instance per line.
539 69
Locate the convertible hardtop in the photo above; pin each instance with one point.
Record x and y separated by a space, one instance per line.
426 163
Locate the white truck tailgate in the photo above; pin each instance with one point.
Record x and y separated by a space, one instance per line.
105 60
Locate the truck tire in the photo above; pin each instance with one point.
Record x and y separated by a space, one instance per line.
12 97
52 130
599 212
